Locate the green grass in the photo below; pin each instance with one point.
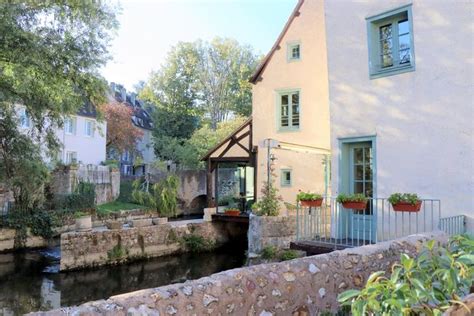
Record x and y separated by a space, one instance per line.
116 206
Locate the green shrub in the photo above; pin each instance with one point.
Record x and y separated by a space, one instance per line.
125 191
196 243
403 197
269 204
288 254
269 252
307 196
425 285
117 252
111 163
83 197
343 198
162 196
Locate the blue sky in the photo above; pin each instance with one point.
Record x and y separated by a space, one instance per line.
149 28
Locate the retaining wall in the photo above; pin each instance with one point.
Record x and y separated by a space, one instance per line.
265 231
96 248
306 286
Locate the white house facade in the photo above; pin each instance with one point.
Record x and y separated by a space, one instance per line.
401 100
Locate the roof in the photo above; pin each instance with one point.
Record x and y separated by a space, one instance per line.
87 110
296 12
224 141
141 117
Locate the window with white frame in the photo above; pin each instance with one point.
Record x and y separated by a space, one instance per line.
70 125
289 110
391 49
25 120
89 128
71 157
285 177
294 51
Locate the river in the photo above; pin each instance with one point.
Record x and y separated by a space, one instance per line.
31 281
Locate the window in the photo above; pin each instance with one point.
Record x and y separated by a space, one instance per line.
71 157
89 128
294 51
25 120
390 38
285 178
70 125
289 110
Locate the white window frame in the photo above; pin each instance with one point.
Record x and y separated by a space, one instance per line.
71 157
373 36
283 181
25 120
70 125
289 51
290 126
86 128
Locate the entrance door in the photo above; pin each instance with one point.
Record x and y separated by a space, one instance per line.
361 176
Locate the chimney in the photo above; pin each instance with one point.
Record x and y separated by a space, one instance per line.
133 96
124 94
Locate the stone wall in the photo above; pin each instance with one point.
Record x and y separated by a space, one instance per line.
306 286
96 248
7 240
192 189
106 180
265 231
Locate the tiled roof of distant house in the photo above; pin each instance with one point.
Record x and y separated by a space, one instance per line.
141 117
88 110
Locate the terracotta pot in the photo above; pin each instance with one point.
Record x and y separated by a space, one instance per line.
84 223
355 205
407 207
311 203
232 213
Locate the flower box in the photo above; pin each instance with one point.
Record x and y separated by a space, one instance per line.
355 205
407 207
233 212
311 203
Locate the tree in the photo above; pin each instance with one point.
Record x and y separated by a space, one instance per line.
121 133
50 53
223 71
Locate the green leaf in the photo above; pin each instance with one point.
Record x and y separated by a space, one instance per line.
374 276
347 295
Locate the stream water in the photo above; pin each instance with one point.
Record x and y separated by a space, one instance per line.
30 280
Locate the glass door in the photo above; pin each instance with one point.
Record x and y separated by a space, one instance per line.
361 181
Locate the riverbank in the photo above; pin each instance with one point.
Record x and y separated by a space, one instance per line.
31 281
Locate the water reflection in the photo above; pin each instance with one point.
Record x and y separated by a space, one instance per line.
29 281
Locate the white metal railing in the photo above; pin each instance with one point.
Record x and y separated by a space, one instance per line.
453 225
332 224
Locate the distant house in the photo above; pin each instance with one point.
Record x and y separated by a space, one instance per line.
82 138
141 119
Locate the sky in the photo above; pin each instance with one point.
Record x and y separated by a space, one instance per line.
149 28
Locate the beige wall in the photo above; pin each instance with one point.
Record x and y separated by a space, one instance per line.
309 75
423 120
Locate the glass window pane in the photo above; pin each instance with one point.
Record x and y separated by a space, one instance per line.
404 48
358 187
368 154
386 32
284 99
369 189
295 52
386 45
368 172
359 172
295 115
403 27
358 155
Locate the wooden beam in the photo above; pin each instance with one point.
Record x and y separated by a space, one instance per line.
209 183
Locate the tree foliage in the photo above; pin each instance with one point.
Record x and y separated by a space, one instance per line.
121 133
50 53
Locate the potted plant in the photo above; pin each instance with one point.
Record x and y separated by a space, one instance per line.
232 212
353 201
405 202
308 199
83 221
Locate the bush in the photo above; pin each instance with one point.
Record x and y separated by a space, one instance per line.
269 252
403 197
425 285
289 254
195 243
307 196
269 205
125 191
343 198
83 197
162 196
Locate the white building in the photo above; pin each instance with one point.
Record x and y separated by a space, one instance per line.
83 138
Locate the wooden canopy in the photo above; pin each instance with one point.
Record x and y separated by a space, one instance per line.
237 147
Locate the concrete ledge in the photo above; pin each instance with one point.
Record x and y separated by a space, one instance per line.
308 285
